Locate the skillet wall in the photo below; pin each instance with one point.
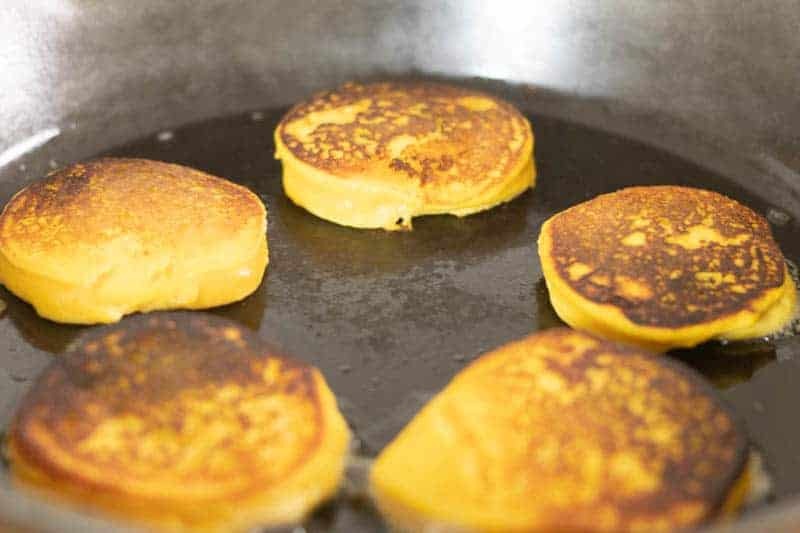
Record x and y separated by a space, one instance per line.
119 69
111 71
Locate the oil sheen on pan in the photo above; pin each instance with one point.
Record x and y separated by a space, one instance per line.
391 317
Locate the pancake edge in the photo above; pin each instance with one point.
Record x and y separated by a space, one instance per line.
377 204
239 513
586 315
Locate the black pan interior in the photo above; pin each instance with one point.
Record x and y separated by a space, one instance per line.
391 317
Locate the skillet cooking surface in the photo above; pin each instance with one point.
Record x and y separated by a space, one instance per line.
390 317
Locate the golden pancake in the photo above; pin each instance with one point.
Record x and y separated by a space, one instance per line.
95 241
562 431
666 267
181 422
377 155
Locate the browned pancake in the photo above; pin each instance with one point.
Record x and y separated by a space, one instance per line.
492 129
562 431
97 240
183 421
690 255
403 148
663 257
91 203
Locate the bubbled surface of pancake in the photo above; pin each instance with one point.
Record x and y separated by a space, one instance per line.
559 432
446 149
666 256
183 421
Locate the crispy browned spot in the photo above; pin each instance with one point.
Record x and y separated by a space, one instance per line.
431 132
184 399
670 449
666 256
97 201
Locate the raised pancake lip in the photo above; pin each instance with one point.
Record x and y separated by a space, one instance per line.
432 148
175 384
666 258
694 481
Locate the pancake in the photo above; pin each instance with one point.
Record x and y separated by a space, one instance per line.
95 241
562 431
377 155
666 267
180 422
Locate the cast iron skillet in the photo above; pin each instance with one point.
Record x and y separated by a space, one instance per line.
391 317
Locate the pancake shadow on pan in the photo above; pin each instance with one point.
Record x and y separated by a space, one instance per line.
546 316
43 334
359 251
724 365
343 514
338 515
54 338
351 510
249 311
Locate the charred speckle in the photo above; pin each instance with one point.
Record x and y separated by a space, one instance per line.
402 166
